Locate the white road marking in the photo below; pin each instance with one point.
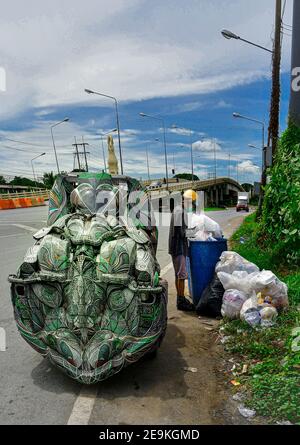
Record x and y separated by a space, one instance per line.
83 406
28 228
9 236
166 269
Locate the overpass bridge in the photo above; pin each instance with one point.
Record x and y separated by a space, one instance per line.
219 191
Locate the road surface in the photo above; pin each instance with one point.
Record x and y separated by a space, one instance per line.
34 392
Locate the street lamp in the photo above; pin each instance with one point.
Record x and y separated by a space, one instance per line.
254 146
103 151
263 174
66 119
230 35
165 143
191 142
117 118
38 156
148 167
258 148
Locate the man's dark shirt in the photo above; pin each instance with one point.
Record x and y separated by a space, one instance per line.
177 236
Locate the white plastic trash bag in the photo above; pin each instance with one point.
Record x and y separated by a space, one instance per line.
237 280
250 312
233 301
202 223
256 314
270 286
268 316
231 262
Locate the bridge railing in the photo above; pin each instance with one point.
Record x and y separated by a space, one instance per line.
37 193
197 185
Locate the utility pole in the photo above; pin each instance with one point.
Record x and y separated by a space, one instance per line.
77 153
84 153
215 161
275 95
294 112
86 164
229 165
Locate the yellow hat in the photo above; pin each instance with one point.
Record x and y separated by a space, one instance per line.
190 194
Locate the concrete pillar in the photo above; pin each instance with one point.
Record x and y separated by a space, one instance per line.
221 194
217 196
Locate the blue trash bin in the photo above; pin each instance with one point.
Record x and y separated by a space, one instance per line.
203 257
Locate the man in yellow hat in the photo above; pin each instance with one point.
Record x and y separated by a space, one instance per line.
178 246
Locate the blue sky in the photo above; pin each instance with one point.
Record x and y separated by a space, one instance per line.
164 58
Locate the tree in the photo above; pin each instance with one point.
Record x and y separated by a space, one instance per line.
279 226
186 176
2 180
49 179
18 180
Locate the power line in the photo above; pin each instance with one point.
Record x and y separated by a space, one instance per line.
33 143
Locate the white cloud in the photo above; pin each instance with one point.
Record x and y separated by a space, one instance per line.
208 145
249 167
135 49
222 104
181 131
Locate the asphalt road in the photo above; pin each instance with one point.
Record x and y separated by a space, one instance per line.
31 390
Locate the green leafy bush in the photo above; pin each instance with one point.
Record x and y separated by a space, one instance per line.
280 223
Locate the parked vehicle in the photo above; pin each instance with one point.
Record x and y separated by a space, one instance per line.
243 202
154 185
88 294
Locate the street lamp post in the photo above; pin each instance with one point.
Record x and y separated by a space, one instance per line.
165 143
231 35
191 143
117 119
103 151
263 174
34 177
54 147
148 168
239 116
257 148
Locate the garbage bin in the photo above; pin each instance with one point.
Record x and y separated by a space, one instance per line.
202 260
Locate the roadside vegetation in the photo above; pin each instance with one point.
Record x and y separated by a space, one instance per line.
268 369
213 209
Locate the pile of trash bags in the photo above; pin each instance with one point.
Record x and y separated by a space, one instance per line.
240 290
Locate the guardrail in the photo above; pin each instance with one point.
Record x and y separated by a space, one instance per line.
38 193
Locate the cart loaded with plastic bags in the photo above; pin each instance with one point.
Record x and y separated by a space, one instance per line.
88 294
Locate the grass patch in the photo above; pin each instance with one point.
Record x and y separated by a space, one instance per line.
213 209
272 381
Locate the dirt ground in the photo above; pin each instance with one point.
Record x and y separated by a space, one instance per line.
185 384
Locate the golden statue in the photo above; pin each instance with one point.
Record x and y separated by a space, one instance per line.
112 159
